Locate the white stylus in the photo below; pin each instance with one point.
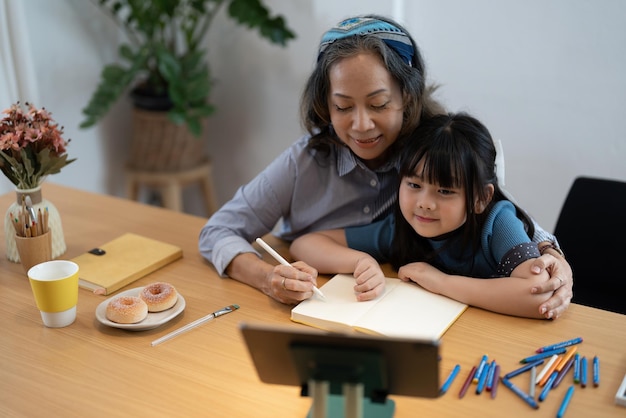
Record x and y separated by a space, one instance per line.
284 262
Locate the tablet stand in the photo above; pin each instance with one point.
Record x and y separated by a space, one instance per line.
351 404
343 382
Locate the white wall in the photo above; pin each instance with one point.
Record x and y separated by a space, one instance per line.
546 76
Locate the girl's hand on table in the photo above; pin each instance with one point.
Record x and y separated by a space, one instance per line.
370 279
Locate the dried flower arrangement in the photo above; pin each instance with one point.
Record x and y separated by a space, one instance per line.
31 146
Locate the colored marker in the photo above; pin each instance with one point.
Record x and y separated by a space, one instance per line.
524 368
450 379
548 386
596 371
496 380
546 368
583 371
489 382
545 354
467 382
563 372
566 357
533 377
548 373
562 344
483 379
566 399
480 368
577 368
530 401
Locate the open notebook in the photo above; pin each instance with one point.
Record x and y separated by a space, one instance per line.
122 261
405 310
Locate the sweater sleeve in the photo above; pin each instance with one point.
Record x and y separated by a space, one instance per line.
505 240
374 239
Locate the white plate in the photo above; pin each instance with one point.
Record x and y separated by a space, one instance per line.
153 320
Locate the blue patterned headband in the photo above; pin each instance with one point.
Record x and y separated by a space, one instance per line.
394 37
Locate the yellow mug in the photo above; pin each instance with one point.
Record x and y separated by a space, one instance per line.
55 287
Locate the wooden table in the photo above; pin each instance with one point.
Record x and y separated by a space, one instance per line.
91 370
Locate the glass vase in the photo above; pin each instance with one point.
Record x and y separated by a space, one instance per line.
54 222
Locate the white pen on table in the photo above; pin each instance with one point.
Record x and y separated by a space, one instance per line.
284 262
191 325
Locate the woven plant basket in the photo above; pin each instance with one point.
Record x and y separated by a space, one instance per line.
158 144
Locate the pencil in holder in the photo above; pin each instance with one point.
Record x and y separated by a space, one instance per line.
34 250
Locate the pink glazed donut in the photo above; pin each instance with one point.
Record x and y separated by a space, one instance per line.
159 296
126 310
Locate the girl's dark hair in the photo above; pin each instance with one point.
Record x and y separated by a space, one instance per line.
418 103
457 151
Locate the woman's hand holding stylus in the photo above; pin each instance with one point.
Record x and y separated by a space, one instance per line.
292 284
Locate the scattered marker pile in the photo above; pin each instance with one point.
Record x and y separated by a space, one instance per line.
555 360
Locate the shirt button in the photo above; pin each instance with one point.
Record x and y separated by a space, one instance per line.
366 209
373 183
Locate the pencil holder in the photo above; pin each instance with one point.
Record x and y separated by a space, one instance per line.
34 250
39 202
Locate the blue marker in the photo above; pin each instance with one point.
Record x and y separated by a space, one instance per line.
583 371
560 345
566 399
522 369
530 401
596 371
450 379
548 386
480 368
543 355
483 379
492 370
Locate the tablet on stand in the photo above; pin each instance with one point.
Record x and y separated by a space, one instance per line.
347 375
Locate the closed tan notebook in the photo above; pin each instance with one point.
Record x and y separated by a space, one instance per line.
122 261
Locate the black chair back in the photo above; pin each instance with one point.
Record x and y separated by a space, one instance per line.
591 230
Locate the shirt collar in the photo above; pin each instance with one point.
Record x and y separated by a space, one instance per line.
347 162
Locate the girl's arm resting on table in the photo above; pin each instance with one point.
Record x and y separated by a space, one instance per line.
327 252
507 295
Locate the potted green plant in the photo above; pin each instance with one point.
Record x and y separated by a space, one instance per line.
164 62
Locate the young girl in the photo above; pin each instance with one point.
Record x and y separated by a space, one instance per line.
453 228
